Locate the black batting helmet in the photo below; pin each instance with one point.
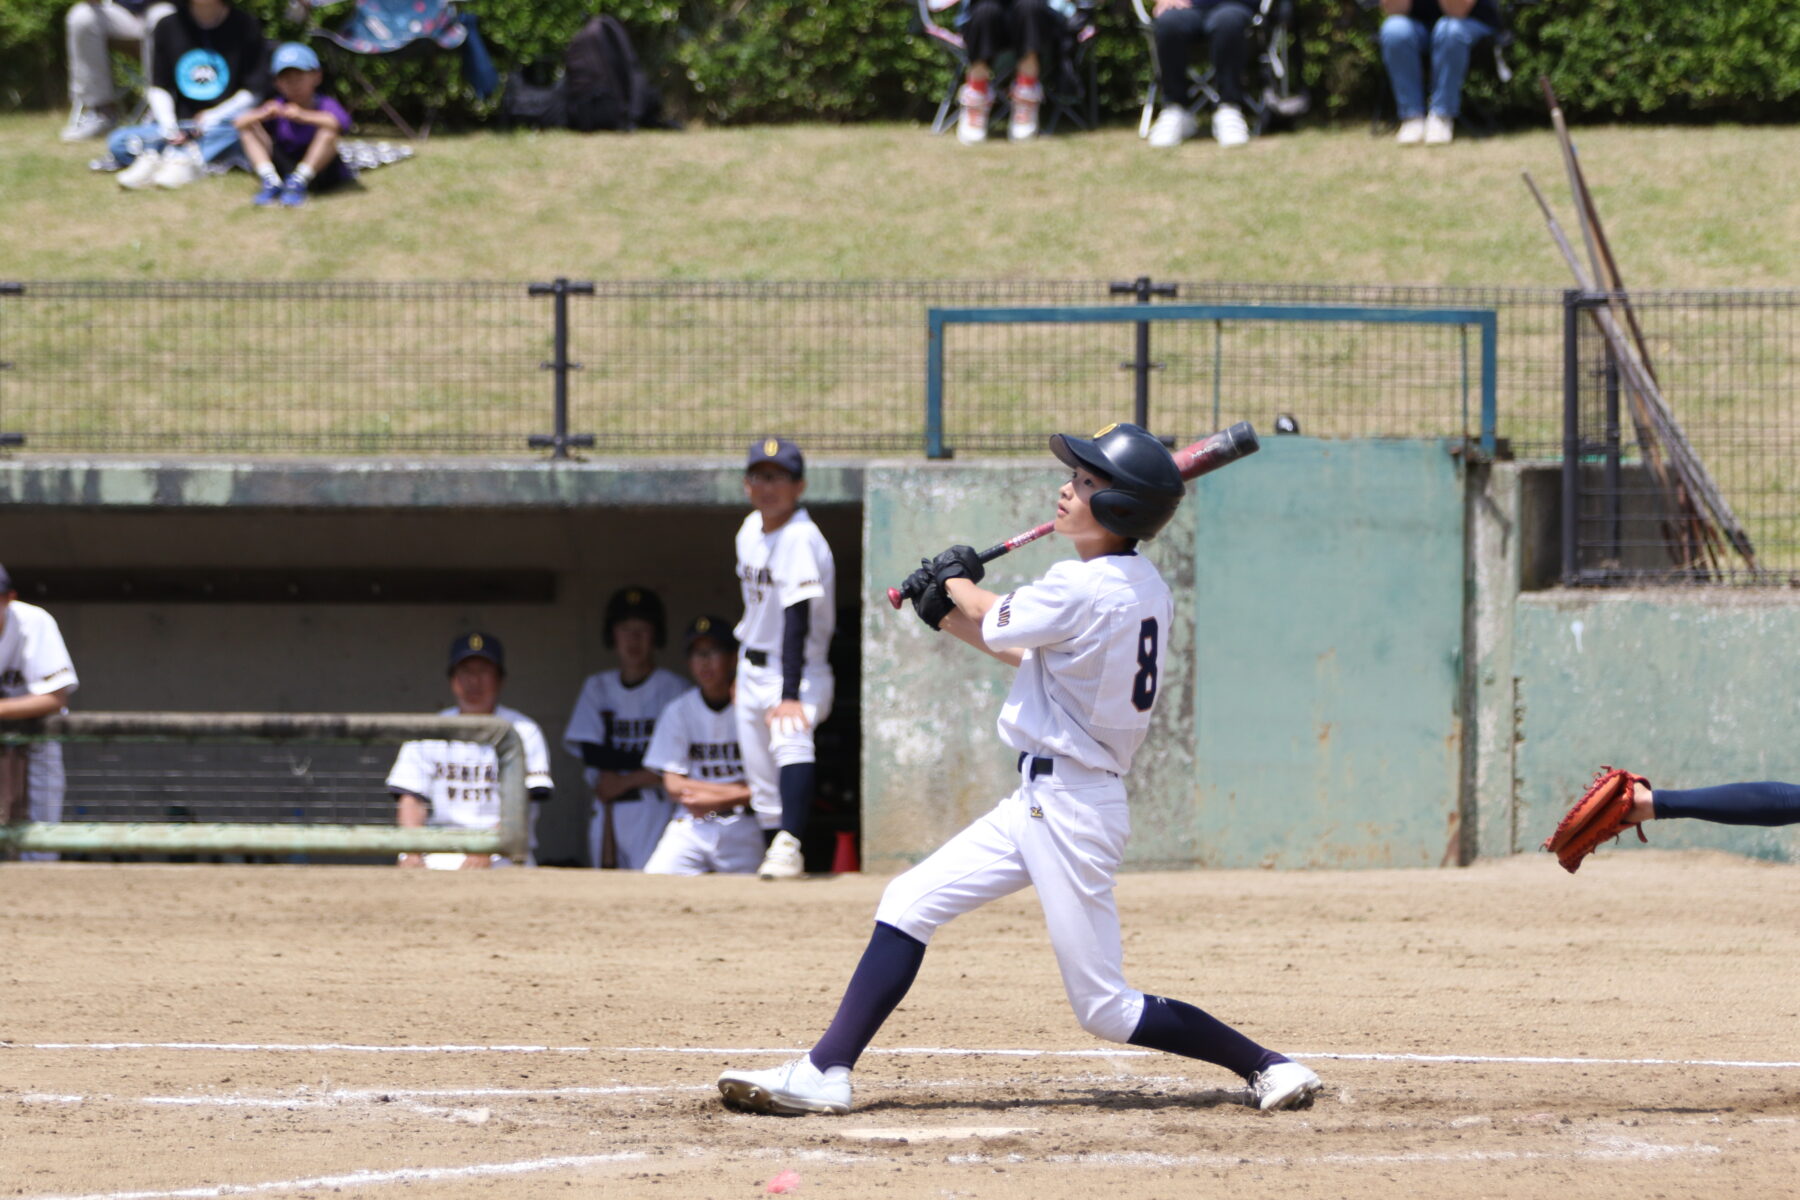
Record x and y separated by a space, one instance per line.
1146 485
638 603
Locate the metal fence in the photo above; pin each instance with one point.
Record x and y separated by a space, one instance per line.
1728 367
644 368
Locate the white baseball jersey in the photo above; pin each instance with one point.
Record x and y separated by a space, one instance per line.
460 780
694 739
34 662
608 713
1093 634
777 571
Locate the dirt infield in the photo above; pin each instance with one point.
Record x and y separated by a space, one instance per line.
210 1031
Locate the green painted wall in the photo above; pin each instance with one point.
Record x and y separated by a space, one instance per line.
1688 688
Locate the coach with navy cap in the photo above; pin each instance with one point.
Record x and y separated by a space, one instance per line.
36 680
456 784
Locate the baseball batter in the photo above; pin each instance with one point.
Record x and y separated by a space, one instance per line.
1088 641
784 684
611 726
457 783
696 748
36 680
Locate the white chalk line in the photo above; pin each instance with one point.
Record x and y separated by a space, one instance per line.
895 1051
1606 1149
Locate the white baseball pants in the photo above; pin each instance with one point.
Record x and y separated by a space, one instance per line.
765 750
689 846
1063 834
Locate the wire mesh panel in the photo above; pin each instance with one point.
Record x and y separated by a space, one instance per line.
228 783
352 368
1003 379
1727 368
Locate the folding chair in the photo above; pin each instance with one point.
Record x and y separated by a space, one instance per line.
1072 94
1273 90
393 27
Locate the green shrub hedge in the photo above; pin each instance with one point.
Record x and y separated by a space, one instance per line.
734 61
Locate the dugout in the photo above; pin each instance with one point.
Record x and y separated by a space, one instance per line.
307 586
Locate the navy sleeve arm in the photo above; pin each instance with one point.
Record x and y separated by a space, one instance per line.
796 621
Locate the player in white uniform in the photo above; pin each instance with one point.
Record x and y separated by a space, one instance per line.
784 683
696 749
1089 641
610 727
36 680
457 783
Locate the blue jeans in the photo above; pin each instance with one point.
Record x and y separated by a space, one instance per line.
1405 45
128 142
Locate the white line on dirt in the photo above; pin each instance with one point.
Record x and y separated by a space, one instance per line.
368 1178
947 1051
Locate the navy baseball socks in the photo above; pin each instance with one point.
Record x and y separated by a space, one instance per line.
1176 1027
1732 803
819 1082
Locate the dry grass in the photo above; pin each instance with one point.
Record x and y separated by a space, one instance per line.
1690 207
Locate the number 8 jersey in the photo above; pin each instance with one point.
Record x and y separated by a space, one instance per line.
1093 634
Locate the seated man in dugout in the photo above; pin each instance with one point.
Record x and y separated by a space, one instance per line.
457 784
1441 34
1178 26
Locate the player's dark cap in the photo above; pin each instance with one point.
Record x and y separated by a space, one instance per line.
477 645
777 450
710 628
1146 485
635 603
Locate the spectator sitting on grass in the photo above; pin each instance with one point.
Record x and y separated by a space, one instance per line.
208 63
291 138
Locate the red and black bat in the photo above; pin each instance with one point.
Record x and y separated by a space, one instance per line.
1204 456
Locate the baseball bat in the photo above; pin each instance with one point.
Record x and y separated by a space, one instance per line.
1201 458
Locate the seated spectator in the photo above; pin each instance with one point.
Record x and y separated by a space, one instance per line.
1177 26
1032 28
291 138
89 29
207 63
1440 33
456 783
696 749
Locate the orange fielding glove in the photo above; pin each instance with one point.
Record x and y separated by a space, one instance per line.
1596 817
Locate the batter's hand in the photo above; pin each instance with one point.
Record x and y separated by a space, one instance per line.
958 562
933 604
787 717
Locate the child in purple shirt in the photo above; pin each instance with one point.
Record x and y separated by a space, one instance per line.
291 138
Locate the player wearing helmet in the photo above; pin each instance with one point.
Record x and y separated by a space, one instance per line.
1088 642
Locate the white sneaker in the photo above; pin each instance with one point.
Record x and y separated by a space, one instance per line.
1285 1085
179 168
1412 131
85 124
141 171
789 1090
972 119
783 859
1174 125
1439 130
1229 126
1023 125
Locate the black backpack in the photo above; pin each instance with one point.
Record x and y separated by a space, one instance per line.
603 85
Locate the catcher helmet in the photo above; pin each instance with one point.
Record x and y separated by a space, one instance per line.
634 603
1146 484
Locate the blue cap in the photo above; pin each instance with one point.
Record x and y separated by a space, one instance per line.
292 56
777 450
477 645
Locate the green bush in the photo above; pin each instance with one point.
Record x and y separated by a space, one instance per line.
733 61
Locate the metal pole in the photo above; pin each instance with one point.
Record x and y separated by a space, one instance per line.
1141 366
10 288
1571 480
1614 474
560 439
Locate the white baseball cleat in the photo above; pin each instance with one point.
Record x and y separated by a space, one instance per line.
1284 1085
790 1090
783 858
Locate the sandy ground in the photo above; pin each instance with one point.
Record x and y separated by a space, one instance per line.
1500 1031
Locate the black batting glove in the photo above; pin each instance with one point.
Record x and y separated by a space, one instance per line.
958 562
931 602
914 585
